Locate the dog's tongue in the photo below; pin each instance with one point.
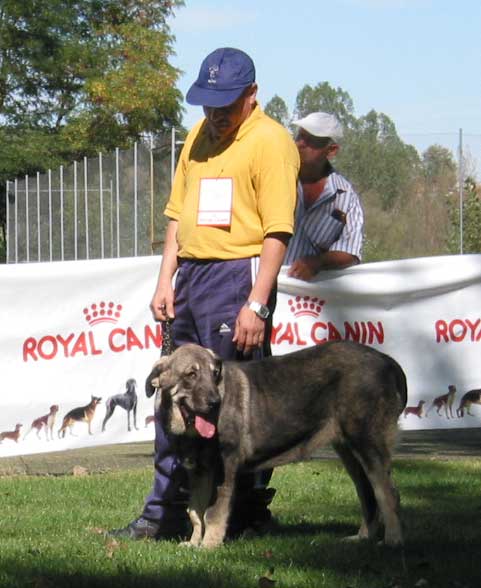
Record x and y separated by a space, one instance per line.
204 428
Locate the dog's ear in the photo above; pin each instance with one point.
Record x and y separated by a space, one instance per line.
152 381
217 368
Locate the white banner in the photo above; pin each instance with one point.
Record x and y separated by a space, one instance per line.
73 330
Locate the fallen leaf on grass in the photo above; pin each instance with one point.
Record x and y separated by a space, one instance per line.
268 554
97 530
111 547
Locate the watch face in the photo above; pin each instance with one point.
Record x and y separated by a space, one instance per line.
263 311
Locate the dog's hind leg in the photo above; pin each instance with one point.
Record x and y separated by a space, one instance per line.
109 411
376 463
369 507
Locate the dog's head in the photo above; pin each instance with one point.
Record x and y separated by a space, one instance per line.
130 386
54 408
95 400
187 384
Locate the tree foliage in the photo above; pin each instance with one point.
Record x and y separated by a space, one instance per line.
439 170
77 76
471 221
377 159
277 109
325 98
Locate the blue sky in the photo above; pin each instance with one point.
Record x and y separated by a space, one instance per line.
417 61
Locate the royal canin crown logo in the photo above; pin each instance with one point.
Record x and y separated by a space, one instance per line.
305 306
102 312
90 342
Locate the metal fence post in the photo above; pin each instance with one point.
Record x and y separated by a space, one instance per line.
50 232
135 198
151 144
62 250
86 209
7 188
16 221
461 191
117 198
27 226
101 198
39 245
75 220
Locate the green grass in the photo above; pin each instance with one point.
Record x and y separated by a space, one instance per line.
50 533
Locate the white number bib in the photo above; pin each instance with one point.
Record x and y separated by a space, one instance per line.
215 202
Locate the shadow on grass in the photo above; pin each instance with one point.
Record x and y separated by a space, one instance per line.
14 575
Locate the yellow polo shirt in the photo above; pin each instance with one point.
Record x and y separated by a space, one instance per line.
258 169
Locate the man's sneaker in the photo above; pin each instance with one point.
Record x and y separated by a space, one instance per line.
138 529
142 528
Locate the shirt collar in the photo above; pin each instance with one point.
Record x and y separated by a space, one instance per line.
330 189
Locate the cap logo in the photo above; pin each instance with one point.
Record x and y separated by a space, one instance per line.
213 73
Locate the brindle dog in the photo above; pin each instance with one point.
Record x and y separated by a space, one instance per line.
224 417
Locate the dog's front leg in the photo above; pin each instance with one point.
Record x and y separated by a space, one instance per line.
217 515
135 417
201 485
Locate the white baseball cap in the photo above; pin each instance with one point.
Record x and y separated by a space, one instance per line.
321 124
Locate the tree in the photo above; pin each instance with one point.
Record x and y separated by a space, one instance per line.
81 76
471 220
325 98
77 76
277 109
376 159
439 170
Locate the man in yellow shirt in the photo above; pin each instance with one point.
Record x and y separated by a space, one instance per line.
231 213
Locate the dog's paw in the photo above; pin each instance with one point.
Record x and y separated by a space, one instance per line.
394 543
210 544
354 538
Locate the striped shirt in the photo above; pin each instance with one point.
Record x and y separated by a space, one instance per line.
316 230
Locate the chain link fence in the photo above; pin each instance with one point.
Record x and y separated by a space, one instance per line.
103 207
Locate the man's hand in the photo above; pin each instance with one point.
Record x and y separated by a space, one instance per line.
162 305
305 268
249 330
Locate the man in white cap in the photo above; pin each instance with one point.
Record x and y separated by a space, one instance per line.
328 232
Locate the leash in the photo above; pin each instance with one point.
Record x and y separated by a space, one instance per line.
167 342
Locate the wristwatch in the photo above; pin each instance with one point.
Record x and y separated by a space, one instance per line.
261 310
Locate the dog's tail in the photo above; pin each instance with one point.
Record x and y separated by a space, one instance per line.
400 385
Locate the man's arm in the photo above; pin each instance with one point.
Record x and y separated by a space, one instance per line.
162 305
250 329
307 267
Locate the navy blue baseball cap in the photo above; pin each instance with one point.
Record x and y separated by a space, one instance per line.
223 76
